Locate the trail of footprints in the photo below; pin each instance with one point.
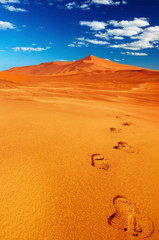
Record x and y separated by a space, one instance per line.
123 145
126 216
99 161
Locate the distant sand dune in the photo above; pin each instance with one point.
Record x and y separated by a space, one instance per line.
88 64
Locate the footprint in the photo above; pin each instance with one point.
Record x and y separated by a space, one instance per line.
99 161
128 218
124 146
118 117
127 123
115 130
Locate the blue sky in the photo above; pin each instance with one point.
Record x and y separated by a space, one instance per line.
35 31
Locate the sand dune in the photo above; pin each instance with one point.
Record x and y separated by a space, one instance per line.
88 64
79 152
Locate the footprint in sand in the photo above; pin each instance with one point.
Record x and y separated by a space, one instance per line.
115 130
99 161
124 146
127 123
128 218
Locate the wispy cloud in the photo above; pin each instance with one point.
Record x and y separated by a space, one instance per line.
127 31
137 22
79 43
118 29
30 49
62 60
74 45
84 42
127 28
106 2
149 38
138 29
94 25
14 9
118 38
137 45
102 35
72 5
6 25
134 53
124 2
9 1
86 5
93 41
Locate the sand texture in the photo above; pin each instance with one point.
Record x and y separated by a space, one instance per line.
79 155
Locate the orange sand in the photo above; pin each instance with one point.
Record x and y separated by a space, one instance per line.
50 128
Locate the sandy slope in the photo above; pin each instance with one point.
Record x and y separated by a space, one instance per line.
88 64
49 132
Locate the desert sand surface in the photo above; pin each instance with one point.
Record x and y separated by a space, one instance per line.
79 152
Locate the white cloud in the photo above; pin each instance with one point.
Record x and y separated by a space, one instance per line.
6 25
118 38
102 35
148 39
137 22
71 45
149 34
72 5
106 2
84 42
124 2
94 25
14 9
30 49
128 28
74 45
61 60
138 29
93 41
137 45
9 1
134 53
81 43
127 31
84 6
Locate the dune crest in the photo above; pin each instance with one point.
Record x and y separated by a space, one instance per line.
88 64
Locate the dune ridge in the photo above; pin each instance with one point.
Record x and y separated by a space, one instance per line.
90 78
88 64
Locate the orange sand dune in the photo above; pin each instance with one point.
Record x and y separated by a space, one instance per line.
88 64
79 153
